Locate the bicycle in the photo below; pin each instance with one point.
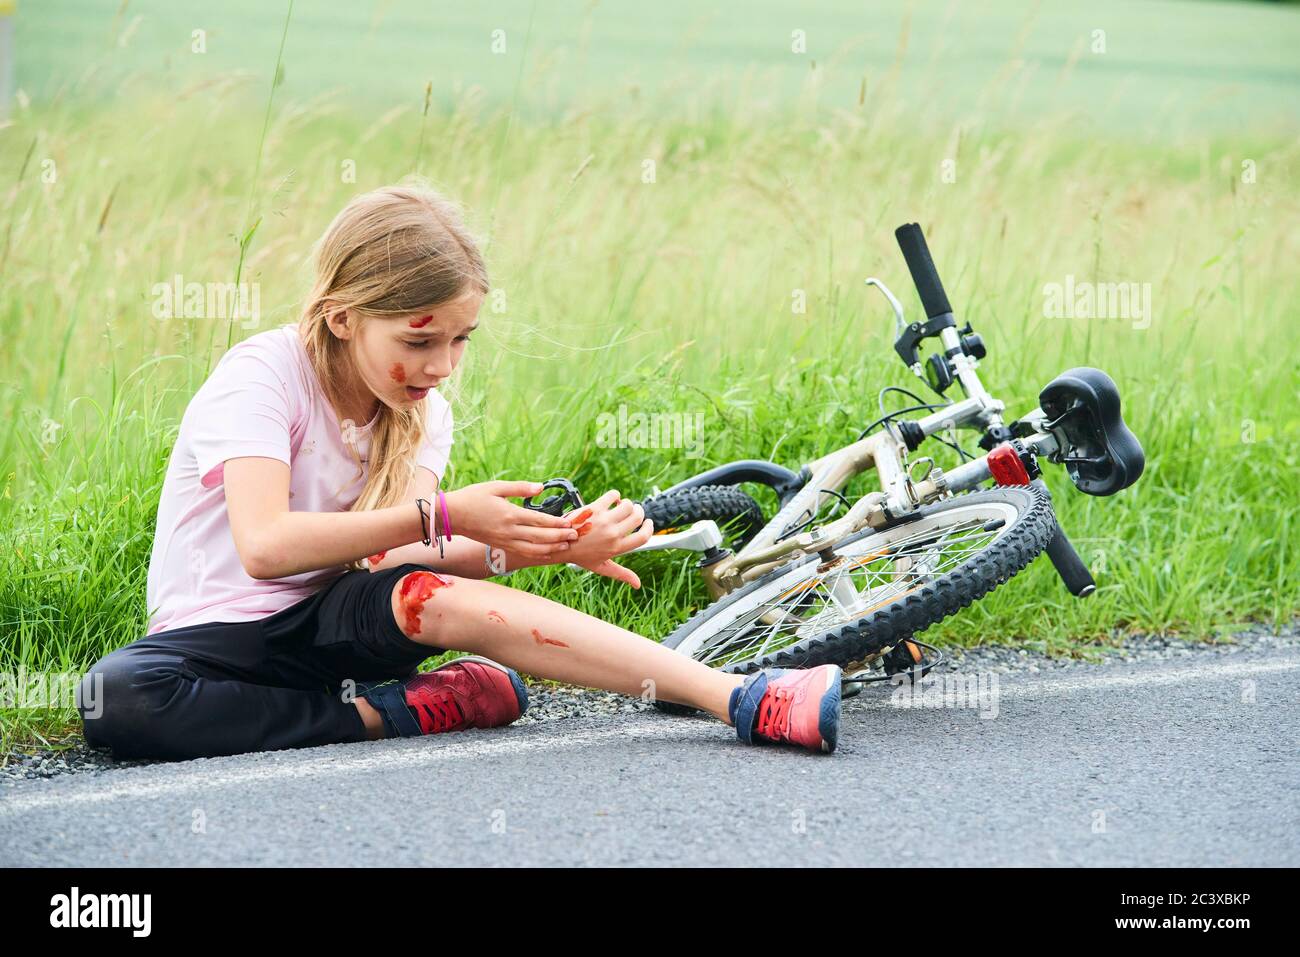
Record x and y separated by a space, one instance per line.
854 590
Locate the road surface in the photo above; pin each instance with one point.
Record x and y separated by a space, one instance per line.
1189 761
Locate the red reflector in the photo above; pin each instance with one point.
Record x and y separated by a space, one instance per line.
1005 466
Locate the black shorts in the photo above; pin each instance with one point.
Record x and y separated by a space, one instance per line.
345 630
231 687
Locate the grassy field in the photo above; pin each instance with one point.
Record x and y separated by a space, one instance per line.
670 295
1171 65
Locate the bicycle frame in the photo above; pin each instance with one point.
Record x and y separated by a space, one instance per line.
902 493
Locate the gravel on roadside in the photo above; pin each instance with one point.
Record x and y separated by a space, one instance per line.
557 702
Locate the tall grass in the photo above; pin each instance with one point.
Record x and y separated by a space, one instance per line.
671 295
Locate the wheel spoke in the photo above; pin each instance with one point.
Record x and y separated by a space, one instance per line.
854 586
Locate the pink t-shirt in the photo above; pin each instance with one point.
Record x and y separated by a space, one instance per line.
262 399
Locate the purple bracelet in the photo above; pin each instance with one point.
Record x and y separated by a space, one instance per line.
446 519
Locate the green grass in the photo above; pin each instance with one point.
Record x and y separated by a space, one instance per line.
666 296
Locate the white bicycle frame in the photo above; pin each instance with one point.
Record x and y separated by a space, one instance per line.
902 492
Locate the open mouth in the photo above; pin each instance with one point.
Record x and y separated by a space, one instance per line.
413 393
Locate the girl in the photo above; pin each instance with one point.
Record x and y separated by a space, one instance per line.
268 631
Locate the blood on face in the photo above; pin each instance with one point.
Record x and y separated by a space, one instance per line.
397 373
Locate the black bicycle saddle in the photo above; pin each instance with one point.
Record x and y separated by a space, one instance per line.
1104 456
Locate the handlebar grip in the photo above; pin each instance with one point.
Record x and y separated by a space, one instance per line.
926 278
1070 566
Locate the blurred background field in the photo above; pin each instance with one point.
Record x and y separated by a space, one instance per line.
1169 156
1176 65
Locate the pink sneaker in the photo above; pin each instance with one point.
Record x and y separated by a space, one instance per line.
470 692
800 706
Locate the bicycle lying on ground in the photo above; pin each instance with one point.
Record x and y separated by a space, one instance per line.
853 591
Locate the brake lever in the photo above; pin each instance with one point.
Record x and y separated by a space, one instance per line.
900 323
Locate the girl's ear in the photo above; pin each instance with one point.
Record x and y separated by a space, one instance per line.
338 319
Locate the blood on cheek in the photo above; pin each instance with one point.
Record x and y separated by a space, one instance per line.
397 373
418 588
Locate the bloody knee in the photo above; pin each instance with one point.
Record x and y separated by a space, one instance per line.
413 596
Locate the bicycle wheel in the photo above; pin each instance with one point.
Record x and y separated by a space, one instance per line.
881 588
735 511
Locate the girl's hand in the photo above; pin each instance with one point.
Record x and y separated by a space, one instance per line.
482 513
608 527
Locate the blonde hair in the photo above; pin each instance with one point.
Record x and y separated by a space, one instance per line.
389 252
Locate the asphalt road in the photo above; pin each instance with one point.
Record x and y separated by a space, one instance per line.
1183 762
